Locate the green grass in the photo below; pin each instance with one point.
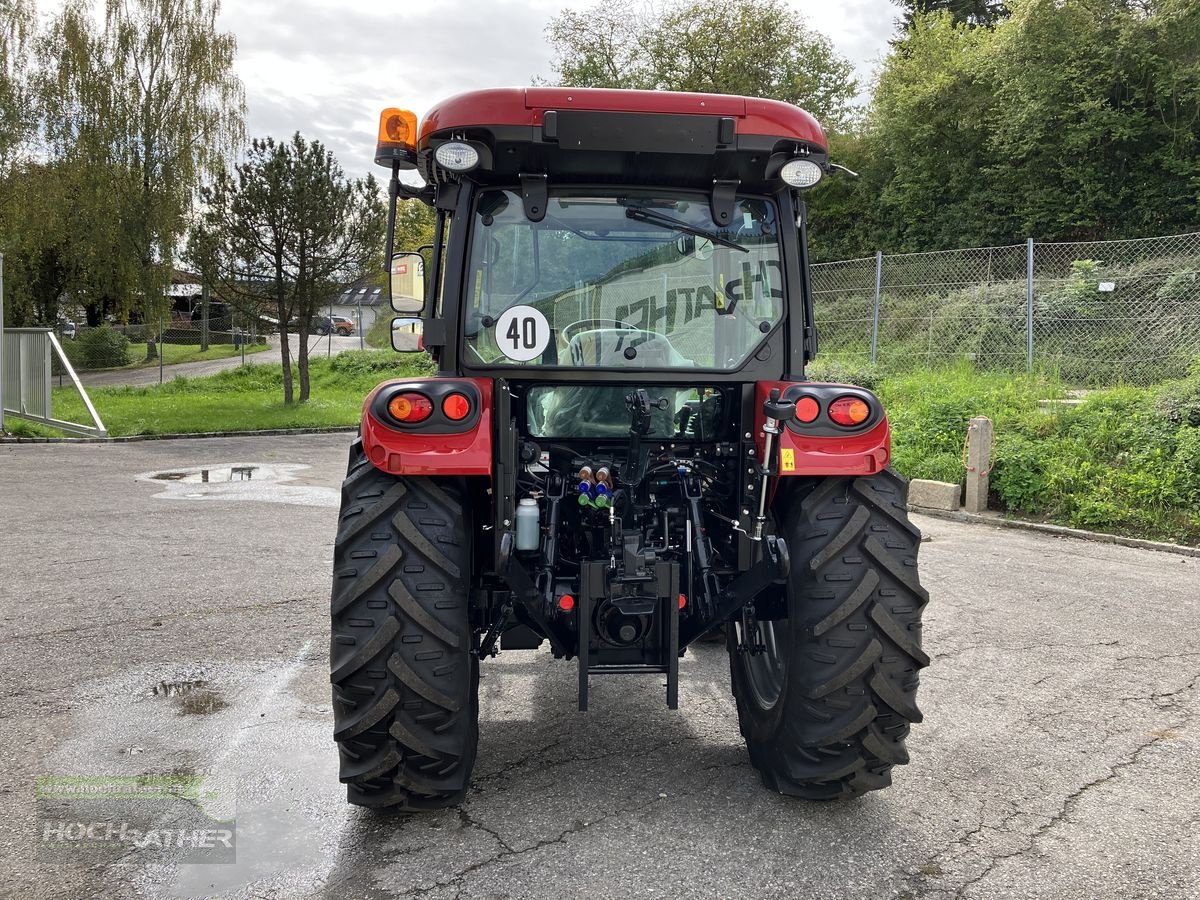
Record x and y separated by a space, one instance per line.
247 398
184 353
1126 461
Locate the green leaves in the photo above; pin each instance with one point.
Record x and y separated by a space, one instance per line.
759 48
1065 120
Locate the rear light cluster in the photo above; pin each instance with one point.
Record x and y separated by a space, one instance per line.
412 407
847 411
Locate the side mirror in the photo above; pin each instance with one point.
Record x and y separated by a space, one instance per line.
408 334
407 283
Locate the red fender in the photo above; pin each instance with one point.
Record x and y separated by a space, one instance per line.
437 446
855 453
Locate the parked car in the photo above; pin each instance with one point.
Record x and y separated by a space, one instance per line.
337 324
67 329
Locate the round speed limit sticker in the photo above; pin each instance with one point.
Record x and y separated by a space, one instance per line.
522 333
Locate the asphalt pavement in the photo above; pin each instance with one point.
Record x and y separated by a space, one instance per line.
171 626
319 346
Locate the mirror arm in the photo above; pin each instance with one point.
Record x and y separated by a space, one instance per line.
393 193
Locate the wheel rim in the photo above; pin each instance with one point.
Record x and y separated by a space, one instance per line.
767 671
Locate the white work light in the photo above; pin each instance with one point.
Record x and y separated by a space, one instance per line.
801 173
457 157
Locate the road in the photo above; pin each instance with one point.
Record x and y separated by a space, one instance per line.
319 347
1057 757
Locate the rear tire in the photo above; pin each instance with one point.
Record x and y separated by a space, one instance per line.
825 710
405 683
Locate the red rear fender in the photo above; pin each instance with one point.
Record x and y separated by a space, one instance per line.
822 447
438 445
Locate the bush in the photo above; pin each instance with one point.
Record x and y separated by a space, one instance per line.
98 348
842 371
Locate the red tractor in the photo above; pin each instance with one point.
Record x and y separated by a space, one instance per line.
619 453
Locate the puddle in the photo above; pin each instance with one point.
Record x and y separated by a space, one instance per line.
194 698
269 483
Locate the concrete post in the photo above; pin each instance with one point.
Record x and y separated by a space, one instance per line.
979 463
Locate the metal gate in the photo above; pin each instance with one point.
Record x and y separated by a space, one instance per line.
26 376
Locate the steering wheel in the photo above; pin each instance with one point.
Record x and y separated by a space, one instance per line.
591 324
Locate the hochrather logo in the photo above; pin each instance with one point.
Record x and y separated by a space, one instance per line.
169 817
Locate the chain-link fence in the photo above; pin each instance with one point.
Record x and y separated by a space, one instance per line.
110 346
1099 312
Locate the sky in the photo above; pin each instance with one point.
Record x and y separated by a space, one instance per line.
327 67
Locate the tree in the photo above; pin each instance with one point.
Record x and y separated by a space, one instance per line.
143 109
16 31
1066 120
751 47
968 12
290 228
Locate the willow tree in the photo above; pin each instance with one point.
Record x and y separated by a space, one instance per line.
144 108
289 228
16 32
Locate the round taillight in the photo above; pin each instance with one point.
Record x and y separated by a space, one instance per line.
566 603
849 411
456 407
410 408
807 409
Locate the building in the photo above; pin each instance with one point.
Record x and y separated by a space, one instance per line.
360 303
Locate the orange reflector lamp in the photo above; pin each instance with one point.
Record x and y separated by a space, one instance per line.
682 601
397 138
566 603
410 408
807 409
456 407
849 411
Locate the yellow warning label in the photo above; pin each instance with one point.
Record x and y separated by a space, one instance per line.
787 459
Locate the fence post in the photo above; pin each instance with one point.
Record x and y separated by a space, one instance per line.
1029 304
160 347
875 313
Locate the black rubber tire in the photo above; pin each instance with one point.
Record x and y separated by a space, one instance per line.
850 648
405 683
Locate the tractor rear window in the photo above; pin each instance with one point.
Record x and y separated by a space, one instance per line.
629 281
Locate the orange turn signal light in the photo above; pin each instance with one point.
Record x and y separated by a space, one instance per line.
456 407
397 136
807 410
849 411
410 408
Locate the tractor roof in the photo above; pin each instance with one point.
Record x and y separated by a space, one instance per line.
528 106
600 134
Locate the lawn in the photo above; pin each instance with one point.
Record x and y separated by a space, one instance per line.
247 398
183 353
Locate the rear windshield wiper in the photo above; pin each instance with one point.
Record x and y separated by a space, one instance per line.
657 218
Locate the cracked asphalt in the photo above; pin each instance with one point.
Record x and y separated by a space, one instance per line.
171 627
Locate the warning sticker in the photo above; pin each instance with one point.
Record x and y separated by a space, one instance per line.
787 460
